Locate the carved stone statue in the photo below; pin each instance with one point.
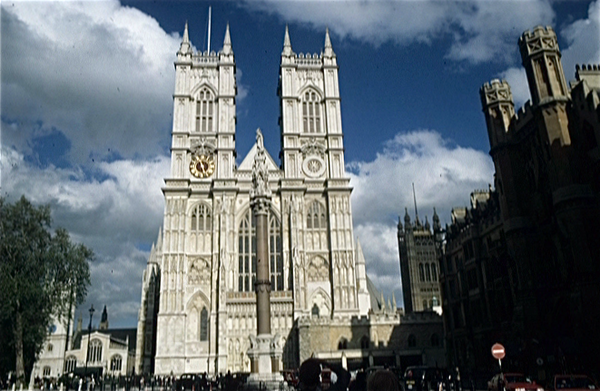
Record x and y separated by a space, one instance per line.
260 171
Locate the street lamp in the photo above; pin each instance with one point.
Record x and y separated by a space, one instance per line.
87 353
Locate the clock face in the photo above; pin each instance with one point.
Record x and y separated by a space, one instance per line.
202 166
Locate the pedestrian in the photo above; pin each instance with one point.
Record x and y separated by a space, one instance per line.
310 375
383 380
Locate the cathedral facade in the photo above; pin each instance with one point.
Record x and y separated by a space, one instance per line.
198 307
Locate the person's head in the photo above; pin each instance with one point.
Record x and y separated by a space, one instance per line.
383 380
309 374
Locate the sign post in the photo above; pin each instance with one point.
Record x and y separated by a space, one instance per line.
498 353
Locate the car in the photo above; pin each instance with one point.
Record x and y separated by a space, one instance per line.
573 383
513 382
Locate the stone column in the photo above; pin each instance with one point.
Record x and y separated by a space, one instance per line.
264 351
260 208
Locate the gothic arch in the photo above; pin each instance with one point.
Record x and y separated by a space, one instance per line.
198 297
313 88
198 87
322 299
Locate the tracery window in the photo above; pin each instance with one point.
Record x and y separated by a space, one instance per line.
433 272
204 111
203 324
311 112
315 218
95 351
201 218
427 272
247 253
116 362
421 272
70 364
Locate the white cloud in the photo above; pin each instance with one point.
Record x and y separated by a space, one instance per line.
443 174
517 79
100 73
583 40
583 47
113 216
479 30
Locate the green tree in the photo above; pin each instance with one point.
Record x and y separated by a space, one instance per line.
42 274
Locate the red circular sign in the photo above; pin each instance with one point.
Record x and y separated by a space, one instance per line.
498 351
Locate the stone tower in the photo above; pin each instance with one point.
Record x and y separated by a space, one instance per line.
419 267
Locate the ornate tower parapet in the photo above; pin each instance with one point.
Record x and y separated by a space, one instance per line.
541 59
498 108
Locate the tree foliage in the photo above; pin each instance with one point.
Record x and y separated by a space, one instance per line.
42 274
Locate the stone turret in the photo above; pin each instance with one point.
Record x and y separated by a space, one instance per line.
541 59
499 109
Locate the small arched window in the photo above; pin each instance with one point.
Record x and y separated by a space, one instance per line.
315 218
204 324
421 272
412 341
47 371
204 111
343 344
201 218
311 112
116 362
50 347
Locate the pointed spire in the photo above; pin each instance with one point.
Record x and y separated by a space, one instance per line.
436 221
389 304
406 218
395 308
287 44
185 46
400 228
427 226
104 316
328 48
382 302
227 41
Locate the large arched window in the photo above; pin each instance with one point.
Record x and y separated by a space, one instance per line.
70 364
116 362
421 272
427 272
204 111
433 272
203 324
95 351
247 253
311 112
201 218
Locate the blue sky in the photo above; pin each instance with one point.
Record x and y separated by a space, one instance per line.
87 102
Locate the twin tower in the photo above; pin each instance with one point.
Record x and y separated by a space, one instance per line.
198 311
